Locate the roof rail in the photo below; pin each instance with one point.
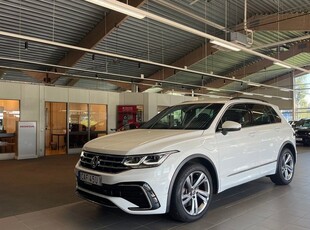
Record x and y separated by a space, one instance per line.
237 98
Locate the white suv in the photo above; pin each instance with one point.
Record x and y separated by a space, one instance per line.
176 161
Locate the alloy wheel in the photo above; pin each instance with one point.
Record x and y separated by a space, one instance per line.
195 193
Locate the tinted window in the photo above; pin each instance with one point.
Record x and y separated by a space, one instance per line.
238 113
262 114
187 116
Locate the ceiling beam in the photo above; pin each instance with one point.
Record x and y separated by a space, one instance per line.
263 63
278 22
187 60
110 22
261 22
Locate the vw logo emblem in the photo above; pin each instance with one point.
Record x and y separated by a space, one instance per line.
94 162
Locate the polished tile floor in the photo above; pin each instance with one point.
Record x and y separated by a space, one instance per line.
258 205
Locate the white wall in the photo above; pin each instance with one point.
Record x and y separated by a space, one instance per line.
32 99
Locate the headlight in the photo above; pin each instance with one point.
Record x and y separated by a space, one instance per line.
149 160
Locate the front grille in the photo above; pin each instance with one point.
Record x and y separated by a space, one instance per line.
302 133
131 192
104 162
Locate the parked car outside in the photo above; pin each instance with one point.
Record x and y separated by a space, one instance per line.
176 161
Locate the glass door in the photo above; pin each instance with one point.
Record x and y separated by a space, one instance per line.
55 128
78 126
97 120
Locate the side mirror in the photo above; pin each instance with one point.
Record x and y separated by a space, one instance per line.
229 126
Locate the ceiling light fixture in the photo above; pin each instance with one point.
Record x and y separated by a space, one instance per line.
112 55
282 65
227 46
127 82
285 89
26 45
253 84
119 7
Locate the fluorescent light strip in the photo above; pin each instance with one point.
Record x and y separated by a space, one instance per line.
246 93
285 89
119 7
253 84
127 76
201 34
227 46
92 51
282 65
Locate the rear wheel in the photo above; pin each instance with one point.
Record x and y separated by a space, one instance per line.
191 194
285 168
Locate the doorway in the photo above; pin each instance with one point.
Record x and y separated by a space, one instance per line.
55 128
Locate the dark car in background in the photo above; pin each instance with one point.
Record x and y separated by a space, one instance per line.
302 131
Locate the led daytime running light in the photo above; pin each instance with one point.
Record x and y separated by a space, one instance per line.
150 160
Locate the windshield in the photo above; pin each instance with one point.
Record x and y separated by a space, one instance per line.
303 123
187 116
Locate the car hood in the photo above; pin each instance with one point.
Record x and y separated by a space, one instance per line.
139 141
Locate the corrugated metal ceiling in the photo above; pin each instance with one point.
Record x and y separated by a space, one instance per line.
69 21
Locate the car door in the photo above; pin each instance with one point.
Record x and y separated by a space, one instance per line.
268 133
237 150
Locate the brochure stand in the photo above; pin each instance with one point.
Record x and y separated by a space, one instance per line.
26 140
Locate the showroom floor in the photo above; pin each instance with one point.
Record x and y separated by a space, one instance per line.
39 194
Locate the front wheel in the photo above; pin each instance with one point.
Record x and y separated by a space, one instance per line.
285 168
192 193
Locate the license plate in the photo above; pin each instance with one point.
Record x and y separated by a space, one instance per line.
89 178
298 139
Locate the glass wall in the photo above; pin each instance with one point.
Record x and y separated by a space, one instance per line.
9 115
98 120
70 126
78 125
86 122
55 128
302 97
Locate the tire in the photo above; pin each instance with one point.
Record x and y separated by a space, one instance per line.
189 200
285 168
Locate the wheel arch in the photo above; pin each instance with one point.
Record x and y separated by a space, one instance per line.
196 158
289 145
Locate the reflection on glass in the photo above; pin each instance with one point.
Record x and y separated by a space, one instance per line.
78 125
97 120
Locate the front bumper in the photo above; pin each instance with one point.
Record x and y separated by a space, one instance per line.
303 139
139 194
136 191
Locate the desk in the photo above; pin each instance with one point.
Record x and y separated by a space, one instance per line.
7 142
58 135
